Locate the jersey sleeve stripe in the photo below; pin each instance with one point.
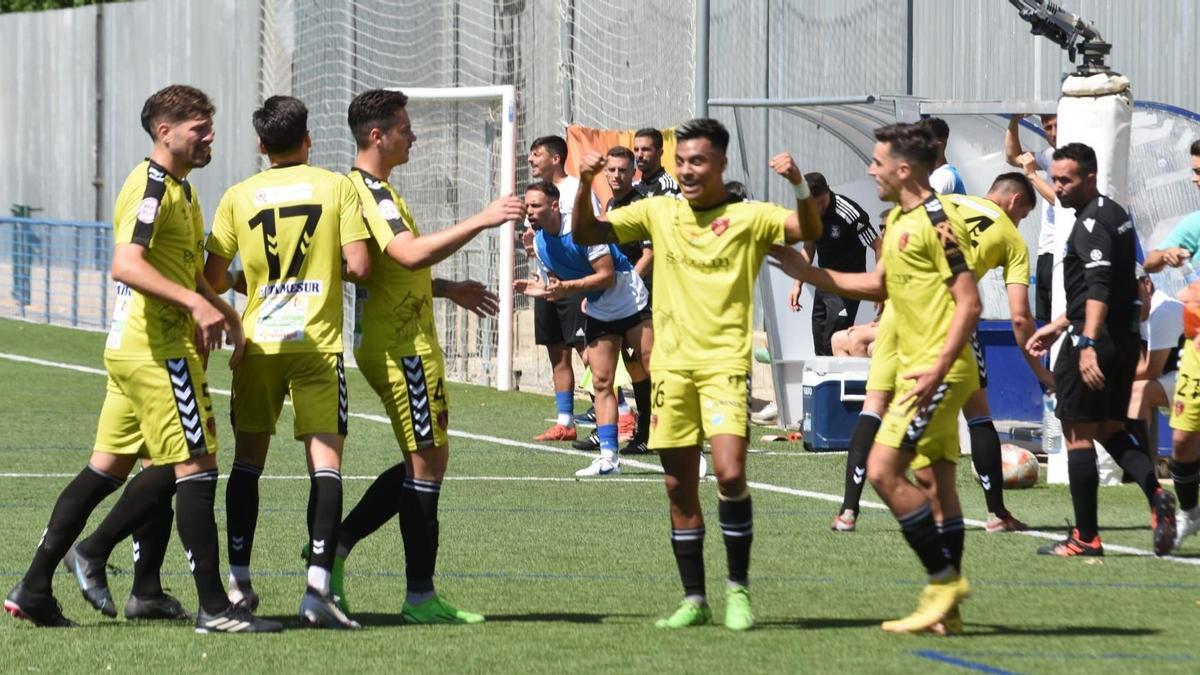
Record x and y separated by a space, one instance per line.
150 205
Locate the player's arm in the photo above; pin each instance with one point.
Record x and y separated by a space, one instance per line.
1023 329
857 285
603 277
587 228
218 276
1151 364
222 246
413 253
805 223
356 261
468 294
1097 272
1172 256
642 267
234 336
810 249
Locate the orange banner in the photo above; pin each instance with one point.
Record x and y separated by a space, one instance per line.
581 139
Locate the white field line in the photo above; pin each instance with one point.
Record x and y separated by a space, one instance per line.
766 487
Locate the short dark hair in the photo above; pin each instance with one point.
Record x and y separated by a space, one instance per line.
545 187
737 189
622 152
281 124
555 145
651 133
175 103
912 142
1015 181
1196 148
374 109
938 126
704 127
1080 153
817 184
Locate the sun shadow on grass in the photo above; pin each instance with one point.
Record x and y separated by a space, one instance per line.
983 630
822 623
368 619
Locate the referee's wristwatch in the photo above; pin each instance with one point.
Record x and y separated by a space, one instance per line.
1085 342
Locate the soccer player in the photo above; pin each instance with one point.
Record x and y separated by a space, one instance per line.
846 234
945 178
1093 373
933 303
398 351
559 324
157 404
1032 164
710 248
292 224
1161 318
615 312
648 152
1181 247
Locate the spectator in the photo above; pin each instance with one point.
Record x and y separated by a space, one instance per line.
1031 164
648 151
945 178
1154 380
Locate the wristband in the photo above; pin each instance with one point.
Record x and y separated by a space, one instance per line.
1085 342
802 191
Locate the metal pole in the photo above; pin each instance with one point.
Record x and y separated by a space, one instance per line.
566 71
508 183
98 170
701 84
908 87
766 146
75 280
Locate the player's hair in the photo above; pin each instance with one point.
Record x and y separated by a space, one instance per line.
704 127
938 126
555 145
1046 117
545 187
817 184
1015 181
1196 148
622 152
651 133
1080 153
913 143
737 189
281 124
175 103
374 109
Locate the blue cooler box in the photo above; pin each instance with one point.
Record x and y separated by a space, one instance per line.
834 389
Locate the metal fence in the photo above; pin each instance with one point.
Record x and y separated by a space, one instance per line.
56 271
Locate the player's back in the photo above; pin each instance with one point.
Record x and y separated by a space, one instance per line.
994 238
289 223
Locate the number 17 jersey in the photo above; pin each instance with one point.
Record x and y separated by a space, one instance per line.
290 223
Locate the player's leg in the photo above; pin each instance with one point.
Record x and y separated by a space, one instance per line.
937 482
985 456
548 331
881 380
603 352
1084 480
1185 440
639 344
147 599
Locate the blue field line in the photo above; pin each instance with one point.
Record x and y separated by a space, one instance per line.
1075 656
942 657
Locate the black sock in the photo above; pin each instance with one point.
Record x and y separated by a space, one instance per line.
737 527
75 503
856 460
132 510
954 536
1132 458
241 511
1085 484
327 516
198 531
921 532
985 455
379 504
150 547
688 546
419 529
1137 427
641 397
1187 482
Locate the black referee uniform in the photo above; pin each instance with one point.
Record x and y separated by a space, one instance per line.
846 236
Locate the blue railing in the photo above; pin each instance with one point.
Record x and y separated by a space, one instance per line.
55 271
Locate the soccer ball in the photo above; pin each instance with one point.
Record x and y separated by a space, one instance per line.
1020 466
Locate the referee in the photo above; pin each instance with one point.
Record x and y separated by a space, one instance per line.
846 235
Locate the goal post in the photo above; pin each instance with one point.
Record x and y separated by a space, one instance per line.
463 159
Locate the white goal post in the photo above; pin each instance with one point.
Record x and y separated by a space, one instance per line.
459 165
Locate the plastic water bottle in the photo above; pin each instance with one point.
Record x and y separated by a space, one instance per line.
1051 426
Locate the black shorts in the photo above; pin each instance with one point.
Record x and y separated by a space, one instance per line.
558 323
595 328
1045 279
1077 402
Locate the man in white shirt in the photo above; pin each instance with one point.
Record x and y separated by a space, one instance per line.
1031 163
944 178
1154 380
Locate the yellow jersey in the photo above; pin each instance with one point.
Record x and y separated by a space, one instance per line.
394 312
922 250
290 223
705 263
995 238
162 213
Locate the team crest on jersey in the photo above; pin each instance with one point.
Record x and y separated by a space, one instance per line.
903 241
387 209
835 232
148 209
211 424
1178 408
654 421
719 226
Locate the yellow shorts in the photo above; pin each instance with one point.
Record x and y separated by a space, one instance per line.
1185 411
413 391
932 434
315 381
690 406
159 410
882 374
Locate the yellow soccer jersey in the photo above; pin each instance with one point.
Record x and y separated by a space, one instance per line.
290 223
162 213
994 237
395 307
705 263
922 250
